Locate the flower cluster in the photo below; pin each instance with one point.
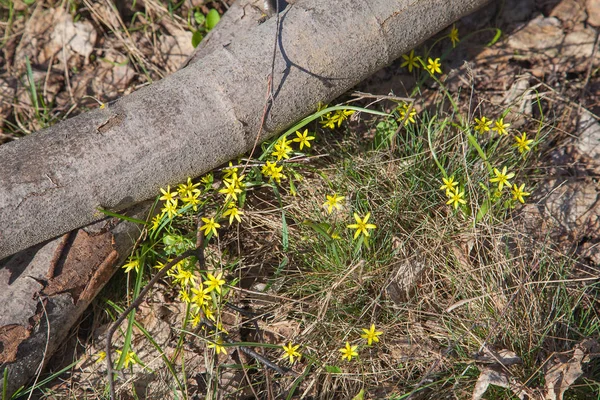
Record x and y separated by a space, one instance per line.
370 335
453 192
333 119
483 125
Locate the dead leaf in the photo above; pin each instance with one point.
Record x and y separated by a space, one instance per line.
562 375
494 371
487 377
571 12
78 37
175 47
593 11
540 36
587 143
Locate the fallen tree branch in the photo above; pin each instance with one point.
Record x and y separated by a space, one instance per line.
206 114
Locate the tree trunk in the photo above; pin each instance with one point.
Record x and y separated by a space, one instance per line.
185 125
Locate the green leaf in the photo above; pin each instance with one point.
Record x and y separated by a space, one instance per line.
197 38
360 395
322 228
121 216
333 369
483 210
199 18
212 19
496 37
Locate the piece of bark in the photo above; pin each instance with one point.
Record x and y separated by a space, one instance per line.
210 112
45 289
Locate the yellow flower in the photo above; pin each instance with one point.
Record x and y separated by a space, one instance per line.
230 190
208 313
233 212
214 282
303 138
342 115
453 36
522 143
170 208
200 298
218 346
482 125
455 197
133 263
405 115
349 351
192 199
188 189
361 225
101 355
156 222
282 148
168 196
448 185
328 121
410 61
196 320
130 357
231 170
236 181
209 226
183 276
184 296
371 335
519 192
500 126
333 202
433 66
208 178
291 351
502 177
270 169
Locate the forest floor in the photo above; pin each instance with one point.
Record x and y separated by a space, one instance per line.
479 276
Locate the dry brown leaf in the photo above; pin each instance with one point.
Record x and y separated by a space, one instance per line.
562 375
540 35
494 371
78 37
593 12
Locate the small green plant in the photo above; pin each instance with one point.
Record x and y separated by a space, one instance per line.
204 24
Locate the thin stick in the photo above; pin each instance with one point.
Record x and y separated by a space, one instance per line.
252 353
362 95
198 252
270 98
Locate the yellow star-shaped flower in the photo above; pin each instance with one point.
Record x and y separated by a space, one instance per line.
361 225
370 335
291 351
349 351
303 138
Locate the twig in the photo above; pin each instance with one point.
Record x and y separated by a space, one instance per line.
252 353
198 252
270 98
362 95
